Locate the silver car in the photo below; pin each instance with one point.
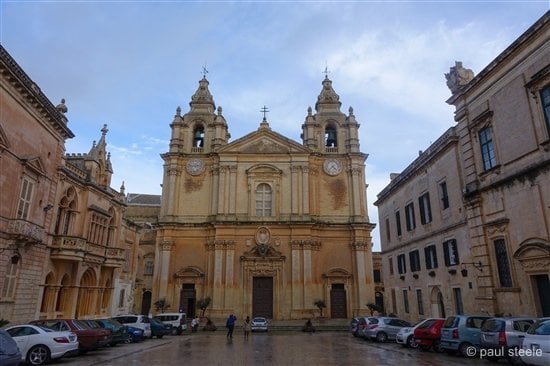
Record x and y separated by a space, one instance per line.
258 324
536 344
384 328
405 336
504 335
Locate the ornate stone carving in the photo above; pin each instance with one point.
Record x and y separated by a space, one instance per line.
458 76
305 244
265 146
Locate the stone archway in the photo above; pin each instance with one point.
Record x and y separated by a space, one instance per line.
86 294
534 256
437 304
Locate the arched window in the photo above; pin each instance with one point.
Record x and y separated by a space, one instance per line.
65 212
330 136
198 137
263 200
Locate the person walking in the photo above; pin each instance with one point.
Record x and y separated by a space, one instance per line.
246 327
230 325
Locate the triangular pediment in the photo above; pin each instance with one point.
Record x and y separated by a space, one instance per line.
264 141
34 164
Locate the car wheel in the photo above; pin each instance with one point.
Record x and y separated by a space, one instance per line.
381 337
411 342
160 336
437 346
464 349
38 355
424 347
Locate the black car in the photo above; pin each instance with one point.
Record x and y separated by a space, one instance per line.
119 331
159 329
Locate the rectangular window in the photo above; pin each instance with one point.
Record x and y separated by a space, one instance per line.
409 217
149 266
263 200
398 222
503 265
25 198
444 195
406 300
430 253
450 250
376 275
388 236
121 299
425 209
459 308
390 260
401 264
545 99
8 291
487 148
414 259
420 302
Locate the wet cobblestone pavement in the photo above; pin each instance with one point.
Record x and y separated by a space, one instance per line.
280 348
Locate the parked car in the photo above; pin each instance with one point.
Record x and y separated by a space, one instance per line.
405 336
359 326
503 336
258 324
119 332
39 345
459 332
88 338
9 352
427 335
159 329
384 328
178 321
536 344
138 321
136 334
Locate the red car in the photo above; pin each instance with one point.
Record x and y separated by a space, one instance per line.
88 338
427 334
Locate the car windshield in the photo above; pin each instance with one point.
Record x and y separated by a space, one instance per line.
493 325
426 324
542 327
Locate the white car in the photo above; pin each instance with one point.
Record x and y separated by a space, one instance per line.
136 321
405 336
258 324
536 344
39 345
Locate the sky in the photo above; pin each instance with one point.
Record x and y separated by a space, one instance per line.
130 64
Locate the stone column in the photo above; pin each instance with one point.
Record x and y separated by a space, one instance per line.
308 301
361 291
294 190
221 192
232 189
305 190
215 188
356 190
163 264
297 284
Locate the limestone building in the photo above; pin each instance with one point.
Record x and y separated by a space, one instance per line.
65 249
466 227
264 225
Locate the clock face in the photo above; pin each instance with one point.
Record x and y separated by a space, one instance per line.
332 166
195 166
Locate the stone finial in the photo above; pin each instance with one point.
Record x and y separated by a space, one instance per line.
122 188
351 111
458 76
61 107
178 111
219 110
309 111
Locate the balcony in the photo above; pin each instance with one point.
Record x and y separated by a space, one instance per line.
78 249
68 247
25 232
114 257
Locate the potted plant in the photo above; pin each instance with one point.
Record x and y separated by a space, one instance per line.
203 304
320 305
161 305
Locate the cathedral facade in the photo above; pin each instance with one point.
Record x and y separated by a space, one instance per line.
264 225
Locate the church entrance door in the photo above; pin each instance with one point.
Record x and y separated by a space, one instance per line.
338 301
188 298
262 297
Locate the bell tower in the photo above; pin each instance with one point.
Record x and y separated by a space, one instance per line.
203 129
329 130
